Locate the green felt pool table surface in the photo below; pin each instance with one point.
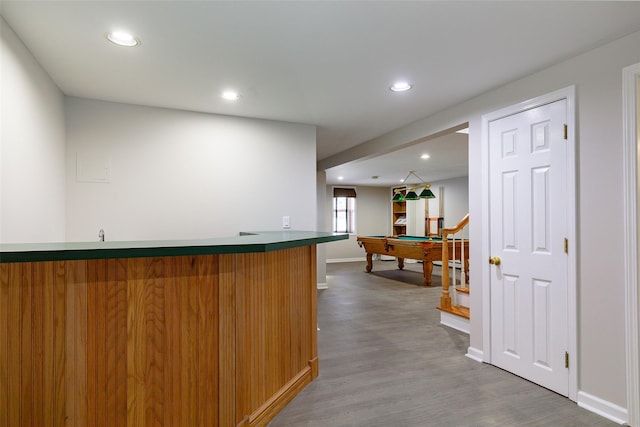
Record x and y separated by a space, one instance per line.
421 239
410 238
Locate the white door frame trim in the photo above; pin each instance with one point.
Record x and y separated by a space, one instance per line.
630 76
568 93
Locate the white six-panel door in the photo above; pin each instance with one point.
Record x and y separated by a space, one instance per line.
528 227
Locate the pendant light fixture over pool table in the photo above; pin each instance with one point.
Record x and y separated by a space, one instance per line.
426 192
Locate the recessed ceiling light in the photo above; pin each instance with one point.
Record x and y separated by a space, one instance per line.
400 87
122 39
230 95
425 156
340 178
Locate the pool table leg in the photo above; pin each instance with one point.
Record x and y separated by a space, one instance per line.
369 262
427 267
400 263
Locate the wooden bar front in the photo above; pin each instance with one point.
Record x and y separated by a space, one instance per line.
202 340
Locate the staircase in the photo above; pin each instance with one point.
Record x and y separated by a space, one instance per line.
454 306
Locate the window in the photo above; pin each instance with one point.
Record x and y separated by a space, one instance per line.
344 210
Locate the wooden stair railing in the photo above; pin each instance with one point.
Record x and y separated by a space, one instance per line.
445 298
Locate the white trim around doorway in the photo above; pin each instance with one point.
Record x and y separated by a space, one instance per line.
630 90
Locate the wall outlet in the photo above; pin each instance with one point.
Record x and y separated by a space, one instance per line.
286 222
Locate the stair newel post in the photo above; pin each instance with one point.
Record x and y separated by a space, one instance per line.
445 299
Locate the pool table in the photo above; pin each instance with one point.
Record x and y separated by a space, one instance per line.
425 249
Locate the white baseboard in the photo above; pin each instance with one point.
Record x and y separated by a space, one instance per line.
455 322
475 354
606 409
323 285
336 260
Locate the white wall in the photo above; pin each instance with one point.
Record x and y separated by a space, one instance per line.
456 200
597 75
416 225
32 147
177 174
373 217
173 174
321 249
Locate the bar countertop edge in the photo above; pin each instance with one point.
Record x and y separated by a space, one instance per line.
245 242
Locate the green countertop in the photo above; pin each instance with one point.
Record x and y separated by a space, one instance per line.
245 242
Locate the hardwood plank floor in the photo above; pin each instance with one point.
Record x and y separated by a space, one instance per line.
386 361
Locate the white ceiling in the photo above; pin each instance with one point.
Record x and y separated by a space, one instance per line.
448 158
326 63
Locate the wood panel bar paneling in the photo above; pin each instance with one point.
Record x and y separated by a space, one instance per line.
103 329
71 388
273 313
121 335
207 338
155 341
82 373
200 340
56 394
257 329
4 344
227 340
312 312
187 276
110 294
26 362
94 335
241 337
38 314
14 326
173 355
281 328
48 377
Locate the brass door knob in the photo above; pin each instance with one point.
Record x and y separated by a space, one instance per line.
495 260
